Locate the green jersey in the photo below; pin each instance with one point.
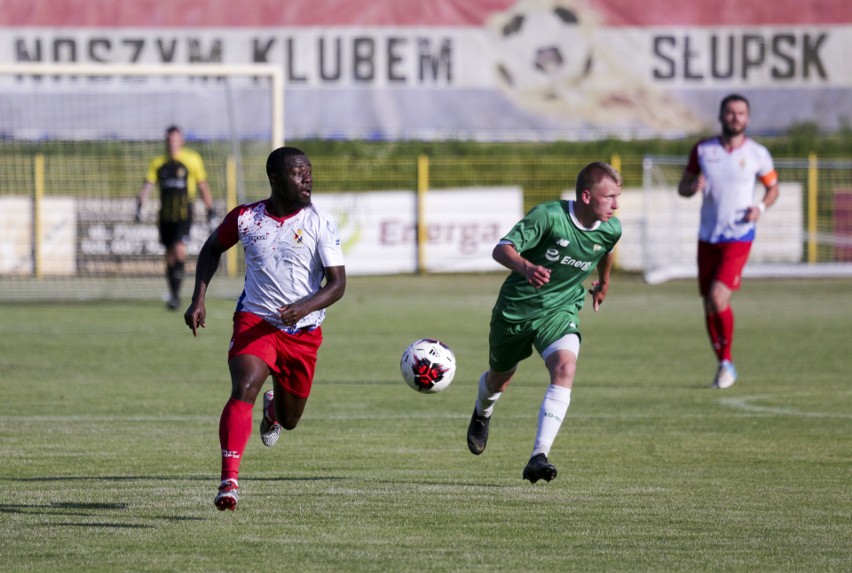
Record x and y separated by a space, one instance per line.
552 237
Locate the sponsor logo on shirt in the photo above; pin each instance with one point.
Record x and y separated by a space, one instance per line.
553 255
584 265
173 183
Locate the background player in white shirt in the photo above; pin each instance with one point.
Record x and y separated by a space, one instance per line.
294 270
724 169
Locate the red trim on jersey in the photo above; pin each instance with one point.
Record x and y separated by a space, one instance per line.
692 165
273 217
228 232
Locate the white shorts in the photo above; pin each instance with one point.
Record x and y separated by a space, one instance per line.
568 342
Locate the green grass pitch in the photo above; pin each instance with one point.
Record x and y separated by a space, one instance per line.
109 441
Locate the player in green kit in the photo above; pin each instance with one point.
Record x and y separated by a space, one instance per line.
550 252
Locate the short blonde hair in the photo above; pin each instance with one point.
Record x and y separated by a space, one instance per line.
592 174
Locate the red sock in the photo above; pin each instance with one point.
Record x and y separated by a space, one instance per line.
726 332
713 331
234 433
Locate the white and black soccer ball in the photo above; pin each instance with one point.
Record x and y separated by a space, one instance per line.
541 47
428 365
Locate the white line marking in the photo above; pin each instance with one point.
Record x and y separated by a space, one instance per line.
746 403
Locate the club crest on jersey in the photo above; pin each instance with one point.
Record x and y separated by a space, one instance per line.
597 248
297 236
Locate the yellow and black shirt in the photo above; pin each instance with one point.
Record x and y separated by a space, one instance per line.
178 179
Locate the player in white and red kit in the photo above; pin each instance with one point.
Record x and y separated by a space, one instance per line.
294 270
724 170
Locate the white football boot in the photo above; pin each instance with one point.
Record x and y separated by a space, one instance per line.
270 430
725 376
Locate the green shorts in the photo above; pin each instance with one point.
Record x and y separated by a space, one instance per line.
511 342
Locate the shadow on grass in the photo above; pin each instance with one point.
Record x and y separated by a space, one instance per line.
61 506
73 509
85 511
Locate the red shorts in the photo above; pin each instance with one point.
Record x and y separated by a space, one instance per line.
292 358
723 262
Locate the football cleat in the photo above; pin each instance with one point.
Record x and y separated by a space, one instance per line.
725 376
270 430
477 433
539 468
228 496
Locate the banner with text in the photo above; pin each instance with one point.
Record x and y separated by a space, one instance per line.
379 233
483 69
379 230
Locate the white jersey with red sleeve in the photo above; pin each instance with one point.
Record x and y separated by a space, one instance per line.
285 258
729 190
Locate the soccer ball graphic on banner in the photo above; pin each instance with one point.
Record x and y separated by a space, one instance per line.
541 48
428 365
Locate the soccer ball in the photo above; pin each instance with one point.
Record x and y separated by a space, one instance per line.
428 365
542 48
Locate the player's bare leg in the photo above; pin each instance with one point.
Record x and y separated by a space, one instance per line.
281 410
288 408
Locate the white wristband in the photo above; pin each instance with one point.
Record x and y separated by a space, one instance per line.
762 207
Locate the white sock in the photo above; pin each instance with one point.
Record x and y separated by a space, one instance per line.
485 400
550 416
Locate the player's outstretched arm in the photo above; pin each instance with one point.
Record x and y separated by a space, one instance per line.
141 197
207 198
601 286
208 261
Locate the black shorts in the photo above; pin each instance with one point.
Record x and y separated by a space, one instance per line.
173 233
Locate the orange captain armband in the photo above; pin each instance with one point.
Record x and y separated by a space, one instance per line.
769 179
